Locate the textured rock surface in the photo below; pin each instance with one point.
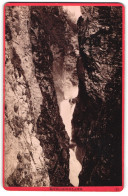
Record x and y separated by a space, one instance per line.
50 128
97 117
24 158
35 135
41 47
45 63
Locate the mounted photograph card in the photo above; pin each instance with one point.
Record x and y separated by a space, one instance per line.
63 113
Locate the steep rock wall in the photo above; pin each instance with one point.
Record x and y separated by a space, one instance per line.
50 128
97 117
24 158
36 143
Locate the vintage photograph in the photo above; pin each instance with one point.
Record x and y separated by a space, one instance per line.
63 95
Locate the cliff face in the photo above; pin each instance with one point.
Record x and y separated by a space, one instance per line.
36 143
45 65
50 128
24 158
97 117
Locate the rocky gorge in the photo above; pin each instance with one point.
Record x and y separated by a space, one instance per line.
63 96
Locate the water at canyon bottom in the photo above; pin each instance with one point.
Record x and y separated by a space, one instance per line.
66 112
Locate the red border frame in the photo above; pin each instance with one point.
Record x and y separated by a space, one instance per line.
91 188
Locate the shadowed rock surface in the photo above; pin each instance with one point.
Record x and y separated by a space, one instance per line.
97 116
50 128
47 58
36 143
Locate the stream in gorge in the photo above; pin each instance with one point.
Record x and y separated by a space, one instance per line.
67 106
63 103
66 112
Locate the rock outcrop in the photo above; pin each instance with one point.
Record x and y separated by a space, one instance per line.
45 65
50 128
24 158
36 143
97 117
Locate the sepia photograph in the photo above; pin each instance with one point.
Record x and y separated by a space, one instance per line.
63 96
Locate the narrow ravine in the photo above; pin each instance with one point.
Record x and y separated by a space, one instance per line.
63 96
68 102
67 107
